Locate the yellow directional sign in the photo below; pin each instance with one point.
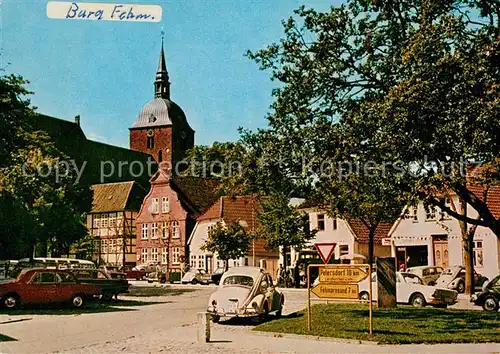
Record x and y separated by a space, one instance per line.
338 274
336 291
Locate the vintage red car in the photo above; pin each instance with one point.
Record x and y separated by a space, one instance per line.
42 286
134 273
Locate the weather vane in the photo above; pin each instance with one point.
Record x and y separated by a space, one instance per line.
162 33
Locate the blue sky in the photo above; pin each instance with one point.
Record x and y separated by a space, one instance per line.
104 70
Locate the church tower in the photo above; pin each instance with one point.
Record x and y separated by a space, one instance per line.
161 128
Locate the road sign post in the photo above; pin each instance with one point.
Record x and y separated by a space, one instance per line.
338 282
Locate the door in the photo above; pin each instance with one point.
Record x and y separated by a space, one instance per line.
441 251
41 289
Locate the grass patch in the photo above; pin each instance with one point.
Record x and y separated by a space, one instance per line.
149 291
403 325
4 338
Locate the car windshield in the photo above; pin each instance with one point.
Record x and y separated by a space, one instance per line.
449 271
219 271
412 279
242 280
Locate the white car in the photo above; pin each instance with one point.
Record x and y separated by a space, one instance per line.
245 292
196 276
411 290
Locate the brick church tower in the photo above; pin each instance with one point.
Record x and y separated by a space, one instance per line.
161 128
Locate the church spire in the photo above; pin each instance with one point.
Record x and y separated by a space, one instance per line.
162 85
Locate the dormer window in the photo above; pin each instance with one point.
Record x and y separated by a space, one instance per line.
152 119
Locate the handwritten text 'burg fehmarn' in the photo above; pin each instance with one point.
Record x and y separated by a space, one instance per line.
106 12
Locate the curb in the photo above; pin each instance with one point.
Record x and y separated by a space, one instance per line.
315 338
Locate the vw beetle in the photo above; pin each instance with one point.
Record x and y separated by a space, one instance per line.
245 292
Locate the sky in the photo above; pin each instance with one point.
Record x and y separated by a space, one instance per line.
104 70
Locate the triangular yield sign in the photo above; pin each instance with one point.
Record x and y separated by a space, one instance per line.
325 250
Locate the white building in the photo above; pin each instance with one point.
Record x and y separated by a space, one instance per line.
226 210
427 236
350 236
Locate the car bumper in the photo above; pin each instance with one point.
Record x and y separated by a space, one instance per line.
220 312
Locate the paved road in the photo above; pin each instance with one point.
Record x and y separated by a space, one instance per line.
170 327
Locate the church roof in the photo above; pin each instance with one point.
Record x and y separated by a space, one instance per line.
159 112
99 162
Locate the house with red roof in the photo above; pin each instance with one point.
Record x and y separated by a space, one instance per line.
350 236
226 209
425 235
167 217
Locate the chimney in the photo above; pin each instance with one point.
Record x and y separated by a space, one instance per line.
77 120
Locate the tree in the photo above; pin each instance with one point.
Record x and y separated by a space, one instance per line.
229 242
36 180
413 83
281 225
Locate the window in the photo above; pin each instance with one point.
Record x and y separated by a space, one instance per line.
430 212
144 231
154 206
444 215
112 248
210 228
164 256
160 156
176 255
321 222
112 221
334 220
411 213
150 143
104 221
164 230
192 263
344 249
175 229
201 262
45 277
97 221
165 205
154 254
154 230
144 255
478 253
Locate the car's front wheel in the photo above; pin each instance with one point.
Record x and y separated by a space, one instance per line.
78 301
418 300
461 287
215 318
106 296
11 301
194 281
364 296
490 303
264 314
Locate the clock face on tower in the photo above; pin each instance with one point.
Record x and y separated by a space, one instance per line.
150 132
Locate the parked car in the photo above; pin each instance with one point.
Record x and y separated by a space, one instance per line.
216 275
41 286
113 271
428 274
134 273
49 263
454 278
489 297
157 276
410 289
109 286
245 292
196 276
